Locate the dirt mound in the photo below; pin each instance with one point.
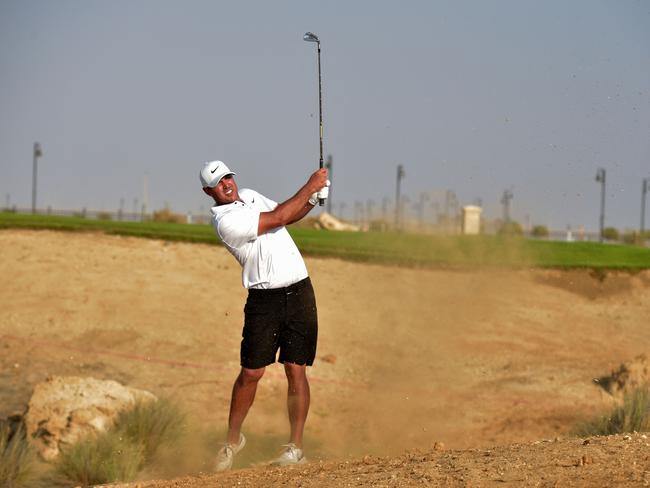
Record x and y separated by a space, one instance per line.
593 284
621 460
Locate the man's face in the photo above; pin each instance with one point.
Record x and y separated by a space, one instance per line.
225 192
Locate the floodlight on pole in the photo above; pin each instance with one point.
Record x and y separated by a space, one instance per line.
38 152
601 176
311 37
645 188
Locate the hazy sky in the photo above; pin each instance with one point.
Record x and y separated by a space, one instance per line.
475 97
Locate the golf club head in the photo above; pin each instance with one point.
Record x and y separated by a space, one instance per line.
309 37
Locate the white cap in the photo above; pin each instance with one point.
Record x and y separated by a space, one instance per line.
212 172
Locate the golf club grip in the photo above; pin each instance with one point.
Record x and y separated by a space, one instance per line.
321 201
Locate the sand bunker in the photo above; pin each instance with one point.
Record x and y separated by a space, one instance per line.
471 359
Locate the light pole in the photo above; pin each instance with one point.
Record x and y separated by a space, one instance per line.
644 189
505 200
398 201
601 177
37 154
310 37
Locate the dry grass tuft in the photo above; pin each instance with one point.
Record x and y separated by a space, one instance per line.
17 458
131 445
153 425
99 459
633 415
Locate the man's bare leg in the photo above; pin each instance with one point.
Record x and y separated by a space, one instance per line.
243 394
298 397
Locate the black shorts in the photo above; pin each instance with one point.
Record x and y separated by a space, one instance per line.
280 318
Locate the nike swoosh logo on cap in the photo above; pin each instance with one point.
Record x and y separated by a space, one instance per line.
215 169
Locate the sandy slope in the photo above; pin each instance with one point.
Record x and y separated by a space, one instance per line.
406 357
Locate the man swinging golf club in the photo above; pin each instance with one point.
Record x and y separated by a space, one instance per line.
280 311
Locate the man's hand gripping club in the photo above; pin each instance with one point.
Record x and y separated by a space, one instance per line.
321 194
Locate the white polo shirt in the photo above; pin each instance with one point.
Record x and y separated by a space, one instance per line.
271 260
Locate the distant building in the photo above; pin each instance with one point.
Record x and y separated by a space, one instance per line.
471 221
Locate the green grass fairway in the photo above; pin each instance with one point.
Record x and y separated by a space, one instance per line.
385 247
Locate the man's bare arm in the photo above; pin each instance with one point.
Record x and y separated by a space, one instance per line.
295 208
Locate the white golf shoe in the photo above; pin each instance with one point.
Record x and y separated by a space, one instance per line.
290 455
226 454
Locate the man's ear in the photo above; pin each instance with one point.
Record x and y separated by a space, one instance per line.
206 190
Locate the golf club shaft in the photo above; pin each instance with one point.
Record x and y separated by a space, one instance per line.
321 201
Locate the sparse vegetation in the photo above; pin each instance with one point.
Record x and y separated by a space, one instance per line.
610 233
123 451
511 228
154 425
166 215
104 216
634 238
539 231
104 458
632 415
17 458
378 226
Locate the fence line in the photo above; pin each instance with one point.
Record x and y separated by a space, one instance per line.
443 228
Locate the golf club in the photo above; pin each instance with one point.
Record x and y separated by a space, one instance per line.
310 37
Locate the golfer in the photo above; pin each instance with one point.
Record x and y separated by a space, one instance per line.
280 311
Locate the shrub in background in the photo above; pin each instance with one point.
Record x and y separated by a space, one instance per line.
511 228
166 215
378 226
635 238
610 233
632 238
104 216
539 231
633 415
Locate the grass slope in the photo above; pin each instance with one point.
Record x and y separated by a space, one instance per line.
381 247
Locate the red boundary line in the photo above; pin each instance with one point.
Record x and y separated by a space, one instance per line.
150 359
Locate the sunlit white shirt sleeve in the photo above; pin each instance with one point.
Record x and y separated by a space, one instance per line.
238 227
